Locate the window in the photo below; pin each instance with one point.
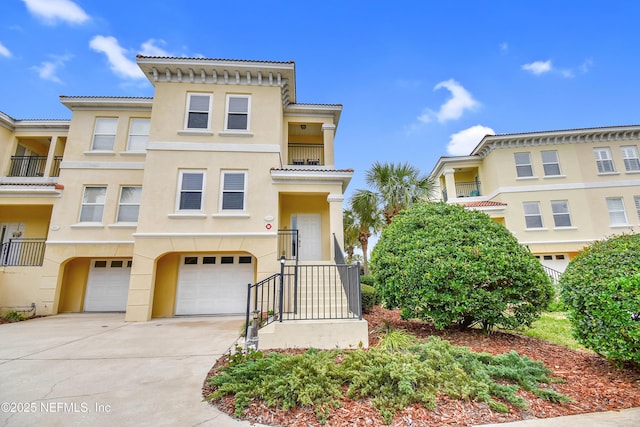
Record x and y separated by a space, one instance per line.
104 135
561 216
550 163
138 134
532 216
226 260
208 260
603 160
100 264
129 205
617 215
630 156
117 264
238 112
190 260
198 111
191 191
636 199
93 204
233 184
523 165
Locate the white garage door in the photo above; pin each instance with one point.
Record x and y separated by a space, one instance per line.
108 285
213 284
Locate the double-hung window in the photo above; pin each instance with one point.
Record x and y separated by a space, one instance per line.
191 190
630 156
198 111
104 135
138 134
617 214
129 205
561 215
532 215
604 160
233 190
238 107
93 204
636 199
550 163
523 165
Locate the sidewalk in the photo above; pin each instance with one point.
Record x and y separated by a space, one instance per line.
624 418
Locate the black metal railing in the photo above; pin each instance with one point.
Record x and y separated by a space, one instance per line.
464 189
263 302
22 252
288 244
33 166
306 154
349 275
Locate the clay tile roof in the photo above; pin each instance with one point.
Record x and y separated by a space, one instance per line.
312 170
483 204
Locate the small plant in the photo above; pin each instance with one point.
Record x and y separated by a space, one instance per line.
13 316
369 298
396 340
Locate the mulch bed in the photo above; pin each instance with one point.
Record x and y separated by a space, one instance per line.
592 382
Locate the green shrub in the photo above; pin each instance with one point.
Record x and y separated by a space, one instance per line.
13 316
601 290
369 298
391 380
366 280
450 265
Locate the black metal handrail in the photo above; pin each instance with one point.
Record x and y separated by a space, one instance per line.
348 276
288 244
33 166
306 154
55 168
24 252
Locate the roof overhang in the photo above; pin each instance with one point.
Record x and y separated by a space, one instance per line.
318 110
451 162
106 103
311 176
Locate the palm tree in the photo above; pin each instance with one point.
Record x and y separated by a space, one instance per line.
367 220
398 186
351 230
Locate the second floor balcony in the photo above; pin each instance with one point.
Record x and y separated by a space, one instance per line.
33 166
464 189
306 154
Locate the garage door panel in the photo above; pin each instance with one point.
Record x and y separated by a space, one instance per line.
107 286
213 288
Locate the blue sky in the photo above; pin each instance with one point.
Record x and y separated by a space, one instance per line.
417 79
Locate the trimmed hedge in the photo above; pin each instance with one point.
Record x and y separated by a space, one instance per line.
443 263
369 298
601 290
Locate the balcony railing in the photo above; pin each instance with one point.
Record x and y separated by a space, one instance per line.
288 244
22 252
306 154
464 189
33 166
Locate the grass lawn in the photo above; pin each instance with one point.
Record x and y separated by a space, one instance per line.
553 327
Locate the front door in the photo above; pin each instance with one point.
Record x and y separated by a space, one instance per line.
309 236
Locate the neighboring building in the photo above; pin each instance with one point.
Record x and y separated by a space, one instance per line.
172 205
556 191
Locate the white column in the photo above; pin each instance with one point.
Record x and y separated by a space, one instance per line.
335 220
450 183
328 132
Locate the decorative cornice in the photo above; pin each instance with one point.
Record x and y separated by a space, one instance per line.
557 137
107 103
222 71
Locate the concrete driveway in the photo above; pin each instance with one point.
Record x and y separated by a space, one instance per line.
98 370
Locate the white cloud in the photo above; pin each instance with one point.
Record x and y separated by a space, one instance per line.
48 69
504 47
463 142
116 55
4 51
586 65
460 101
151 48
538 67
52 11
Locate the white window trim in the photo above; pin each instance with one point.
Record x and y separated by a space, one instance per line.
557 162
244 193
228 131
129 135
539 214
563 227
187 130
624 211
83 204
120 204
530 164
597 153
636 202
625 157
95 133
189 212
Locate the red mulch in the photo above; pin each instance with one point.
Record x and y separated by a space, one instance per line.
590 380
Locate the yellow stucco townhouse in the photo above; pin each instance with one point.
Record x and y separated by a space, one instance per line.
556 191
217 196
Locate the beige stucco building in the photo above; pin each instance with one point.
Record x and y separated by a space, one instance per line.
556 191
173 205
